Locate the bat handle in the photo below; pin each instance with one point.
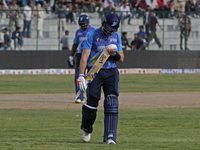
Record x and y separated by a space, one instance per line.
77 94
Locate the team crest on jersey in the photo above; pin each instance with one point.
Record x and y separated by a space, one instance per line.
97 39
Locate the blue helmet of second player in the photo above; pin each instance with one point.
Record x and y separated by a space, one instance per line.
83 22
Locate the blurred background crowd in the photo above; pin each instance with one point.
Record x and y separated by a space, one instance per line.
67 11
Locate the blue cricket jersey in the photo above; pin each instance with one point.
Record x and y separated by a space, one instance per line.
96 42
80 36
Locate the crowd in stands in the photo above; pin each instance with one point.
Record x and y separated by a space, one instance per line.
68 11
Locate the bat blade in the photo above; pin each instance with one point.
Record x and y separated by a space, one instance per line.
95 68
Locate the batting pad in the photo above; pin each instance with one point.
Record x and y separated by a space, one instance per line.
110 117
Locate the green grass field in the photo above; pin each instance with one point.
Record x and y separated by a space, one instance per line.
25 84
138 129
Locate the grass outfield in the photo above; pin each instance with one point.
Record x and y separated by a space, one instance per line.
25 84
138 129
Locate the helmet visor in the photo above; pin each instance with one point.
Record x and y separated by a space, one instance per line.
107 31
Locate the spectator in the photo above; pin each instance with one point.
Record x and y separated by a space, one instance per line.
27 19
7 40
88 5
125 13
3 8
178 5
65 41
55 5
197 7
190 7
8 3
152 23
125 42
106 3
110 9
80 4
134 7
76 12
161 9
142 35
18 39
46 5
39 2
137 44
146 22
19 3
142 7
39 19
26 2
14 15
185 28
62 14
98 4
70 15
152 4
169 6
161 4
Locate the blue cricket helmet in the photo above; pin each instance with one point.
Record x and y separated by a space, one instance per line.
112 21
83 19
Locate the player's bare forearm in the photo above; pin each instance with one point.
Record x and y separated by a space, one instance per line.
84 58
121 53
74 48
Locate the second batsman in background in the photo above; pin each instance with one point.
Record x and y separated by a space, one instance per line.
80 37
108 78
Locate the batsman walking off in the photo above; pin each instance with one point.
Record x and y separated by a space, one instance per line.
108 78
80 37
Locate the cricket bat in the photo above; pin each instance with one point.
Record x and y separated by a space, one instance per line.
95 68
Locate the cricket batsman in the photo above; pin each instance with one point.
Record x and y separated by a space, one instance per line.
108 77
80 37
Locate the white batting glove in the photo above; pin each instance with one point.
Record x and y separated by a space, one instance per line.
82 82
112 49
71 61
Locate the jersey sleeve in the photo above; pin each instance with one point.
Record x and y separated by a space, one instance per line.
88 41
76 38
119 43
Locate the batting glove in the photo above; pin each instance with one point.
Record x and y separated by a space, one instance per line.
71 62
112 49
82 83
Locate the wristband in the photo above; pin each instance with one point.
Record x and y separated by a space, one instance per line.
116 57
81 75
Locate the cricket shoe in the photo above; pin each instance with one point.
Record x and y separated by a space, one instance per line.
86 136
110 141
79 101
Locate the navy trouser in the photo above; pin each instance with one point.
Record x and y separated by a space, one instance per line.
109 79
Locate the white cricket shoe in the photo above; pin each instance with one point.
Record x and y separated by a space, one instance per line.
110 141
86 136
79 101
